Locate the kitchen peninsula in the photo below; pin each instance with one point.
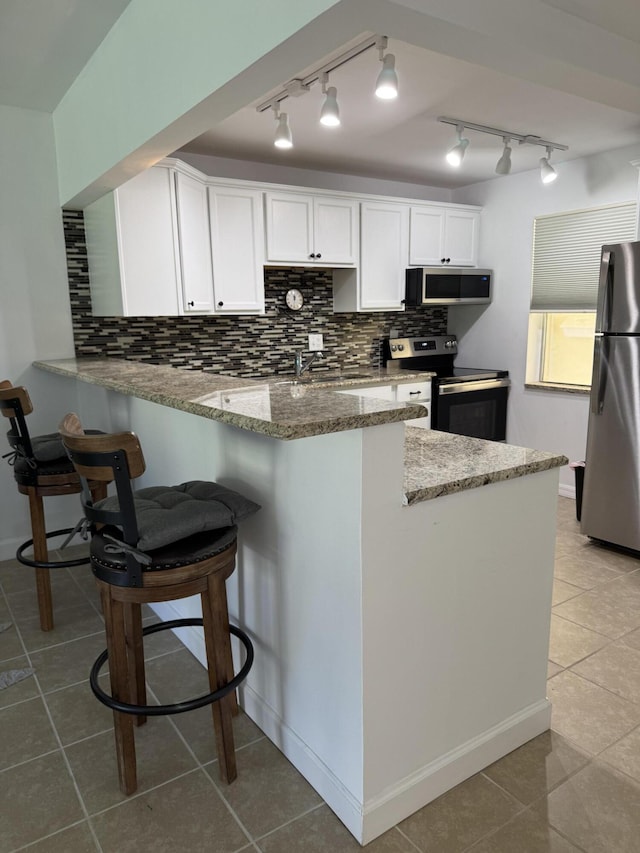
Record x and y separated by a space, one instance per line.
396 583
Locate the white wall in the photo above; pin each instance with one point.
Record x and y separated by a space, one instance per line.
245 170
497 336
35 320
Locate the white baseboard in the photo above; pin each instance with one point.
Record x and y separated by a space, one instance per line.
367 821
567 491
346 806
434 779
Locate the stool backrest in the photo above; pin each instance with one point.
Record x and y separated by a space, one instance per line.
108 457
15 404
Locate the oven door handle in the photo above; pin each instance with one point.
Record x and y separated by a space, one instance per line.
465 387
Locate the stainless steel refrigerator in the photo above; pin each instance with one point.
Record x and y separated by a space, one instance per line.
611 497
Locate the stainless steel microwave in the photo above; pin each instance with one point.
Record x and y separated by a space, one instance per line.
437 286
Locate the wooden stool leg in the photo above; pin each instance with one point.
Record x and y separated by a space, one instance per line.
233 697
135 657
114 621
99 492
41 553
213 616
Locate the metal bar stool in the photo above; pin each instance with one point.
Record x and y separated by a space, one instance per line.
158 544
41 468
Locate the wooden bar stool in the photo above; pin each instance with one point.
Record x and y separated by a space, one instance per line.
41 468
158 544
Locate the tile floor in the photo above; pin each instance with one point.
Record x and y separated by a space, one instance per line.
576 788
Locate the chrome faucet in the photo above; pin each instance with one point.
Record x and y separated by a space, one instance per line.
301 365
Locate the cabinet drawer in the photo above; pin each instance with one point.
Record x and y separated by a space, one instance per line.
413 392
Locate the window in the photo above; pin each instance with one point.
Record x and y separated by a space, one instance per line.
565 272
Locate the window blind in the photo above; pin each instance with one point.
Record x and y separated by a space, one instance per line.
566 254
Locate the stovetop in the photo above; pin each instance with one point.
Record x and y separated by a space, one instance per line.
471 373
436 353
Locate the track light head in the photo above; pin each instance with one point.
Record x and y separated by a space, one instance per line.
456 155
387 82
330 112
503 166
283 138
547 173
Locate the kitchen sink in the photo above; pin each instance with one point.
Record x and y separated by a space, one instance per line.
319 379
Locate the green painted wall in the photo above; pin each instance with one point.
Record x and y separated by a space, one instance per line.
160 60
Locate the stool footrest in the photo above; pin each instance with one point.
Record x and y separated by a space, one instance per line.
176 707
51 564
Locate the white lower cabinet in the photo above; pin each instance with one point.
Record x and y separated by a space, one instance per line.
408 392
237 245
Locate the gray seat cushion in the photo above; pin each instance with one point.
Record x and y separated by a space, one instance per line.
46 448
166 514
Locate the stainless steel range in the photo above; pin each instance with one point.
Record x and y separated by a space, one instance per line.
465 400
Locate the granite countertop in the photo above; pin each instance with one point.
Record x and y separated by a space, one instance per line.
439 463
436 463
281 408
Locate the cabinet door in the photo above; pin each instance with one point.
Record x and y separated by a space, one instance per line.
237 245
289 227
426 236
461 237
195 245
133 262
335 229
378 392
384 244
416 392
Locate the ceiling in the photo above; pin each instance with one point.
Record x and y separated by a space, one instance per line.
44 44
403 140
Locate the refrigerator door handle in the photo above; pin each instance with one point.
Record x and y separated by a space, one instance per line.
599 378
604 284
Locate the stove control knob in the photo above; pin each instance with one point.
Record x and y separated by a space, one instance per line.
393 347
400 347
449 344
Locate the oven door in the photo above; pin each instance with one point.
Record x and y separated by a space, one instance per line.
477 409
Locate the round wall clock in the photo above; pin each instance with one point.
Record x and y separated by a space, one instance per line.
294 299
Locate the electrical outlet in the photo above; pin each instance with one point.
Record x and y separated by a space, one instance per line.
315 343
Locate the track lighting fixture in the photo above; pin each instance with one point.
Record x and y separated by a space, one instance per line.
547 173
503 166
386 88
330 113
283 138
387 82
456 155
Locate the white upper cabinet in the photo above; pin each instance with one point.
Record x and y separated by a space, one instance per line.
134 268
441 236
384 235
237 244
194 245
305 229
335 229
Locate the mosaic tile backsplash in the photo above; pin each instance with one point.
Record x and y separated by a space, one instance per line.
239 345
